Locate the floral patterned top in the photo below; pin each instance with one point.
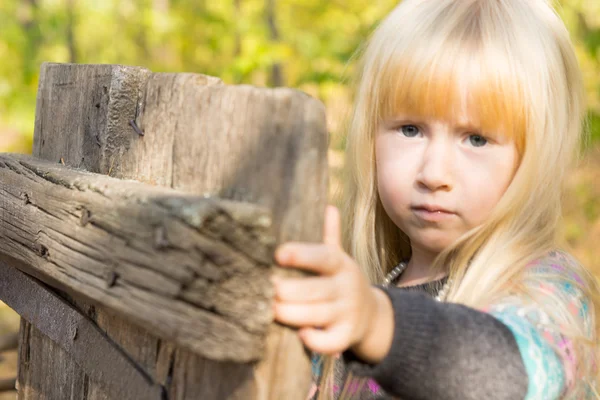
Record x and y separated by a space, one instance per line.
542 332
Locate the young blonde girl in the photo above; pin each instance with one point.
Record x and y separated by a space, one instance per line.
467 115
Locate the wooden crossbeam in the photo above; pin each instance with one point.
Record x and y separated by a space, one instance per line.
191 269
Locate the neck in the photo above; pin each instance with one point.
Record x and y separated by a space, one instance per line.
419 269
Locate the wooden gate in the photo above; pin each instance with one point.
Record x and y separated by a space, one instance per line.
136 243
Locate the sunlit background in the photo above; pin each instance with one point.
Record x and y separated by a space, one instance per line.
305 44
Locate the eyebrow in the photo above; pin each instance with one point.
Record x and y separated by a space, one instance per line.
467 125
459 124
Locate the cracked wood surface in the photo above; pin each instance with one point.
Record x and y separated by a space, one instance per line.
194 270
258 145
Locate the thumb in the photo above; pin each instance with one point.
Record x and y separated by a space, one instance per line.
332 232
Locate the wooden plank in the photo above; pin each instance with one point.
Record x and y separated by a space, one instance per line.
272 151
77 335
192 269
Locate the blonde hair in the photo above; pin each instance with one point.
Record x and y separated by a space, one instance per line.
511 63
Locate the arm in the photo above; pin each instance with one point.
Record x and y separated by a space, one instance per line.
515 345
444 350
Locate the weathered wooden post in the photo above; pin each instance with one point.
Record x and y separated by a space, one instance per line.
198 136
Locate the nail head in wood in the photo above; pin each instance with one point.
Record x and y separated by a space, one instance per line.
111 278
85 217
136 128
160 238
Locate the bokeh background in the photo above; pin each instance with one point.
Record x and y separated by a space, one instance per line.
304 44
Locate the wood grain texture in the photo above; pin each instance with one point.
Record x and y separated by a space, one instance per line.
266 146
191 269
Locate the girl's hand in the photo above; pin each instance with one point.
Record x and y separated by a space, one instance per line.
336 309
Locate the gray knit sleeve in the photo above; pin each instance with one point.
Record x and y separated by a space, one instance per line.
446 351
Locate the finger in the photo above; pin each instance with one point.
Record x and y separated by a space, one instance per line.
301 315
305 290
318 258
326 341
332 233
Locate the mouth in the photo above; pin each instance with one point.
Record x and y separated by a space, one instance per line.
431 208
431 213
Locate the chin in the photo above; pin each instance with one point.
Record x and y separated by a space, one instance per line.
432 243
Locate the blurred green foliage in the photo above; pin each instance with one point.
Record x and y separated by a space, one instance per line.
307 44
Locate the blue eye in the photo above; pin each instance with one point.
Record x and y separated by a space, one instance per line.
409 130
477 140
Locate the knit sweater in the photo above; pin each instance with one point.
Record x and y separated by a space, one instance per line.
510 350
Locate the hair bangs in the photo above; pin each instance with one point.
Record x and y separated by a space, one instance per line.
462 81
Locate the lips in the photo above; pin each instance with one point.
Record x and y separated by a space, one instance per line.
432 213
431 208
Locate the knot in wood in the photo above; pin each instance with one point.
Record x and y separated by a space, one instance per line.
73 331
25 198
42 250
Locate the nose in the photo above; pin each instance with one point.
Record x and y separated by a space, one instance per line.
435 172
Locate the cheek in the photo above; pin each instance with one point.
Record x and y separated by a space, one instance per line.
385 185
488 187
393 183
391 189
482 205
393 197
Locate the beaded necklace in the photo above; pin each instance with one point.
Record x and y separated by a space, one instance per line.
395 273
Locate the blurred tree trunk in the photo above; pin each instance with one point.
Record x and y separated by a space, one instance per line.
276 69
71 21
237 15
28 20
